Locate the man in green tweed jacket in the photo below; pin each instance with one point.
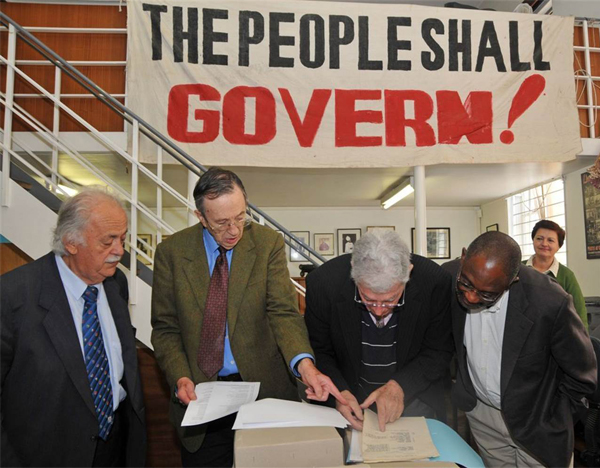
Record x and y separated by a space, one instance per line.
265 339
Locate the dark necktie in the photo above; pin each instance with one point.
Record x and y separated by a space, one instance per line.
212 340
96 362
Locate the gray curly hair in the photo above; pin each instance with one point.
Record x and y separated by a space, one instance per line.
380 261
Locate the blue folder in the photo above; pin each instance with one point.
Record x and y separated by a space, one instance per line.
452 447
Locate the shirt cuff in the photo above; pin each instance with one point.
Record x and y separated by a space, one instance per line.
294 362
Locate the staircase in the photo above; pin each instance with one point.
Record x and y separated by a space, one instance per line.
38 161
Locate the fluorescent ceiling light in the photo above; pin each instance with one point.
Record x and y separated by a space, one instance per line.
402 191
68 190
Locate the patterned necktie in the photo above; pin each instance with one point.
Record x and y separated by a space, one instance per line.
212 340
96 362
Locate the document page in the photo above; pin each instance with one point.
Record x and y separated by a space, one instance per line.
217 400
272 412
403 440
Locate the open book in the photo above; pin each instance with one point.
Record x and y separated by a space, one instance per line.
403 440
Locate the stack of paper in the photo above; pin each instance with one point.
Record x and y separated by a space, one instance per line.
218 399
271 412
403 440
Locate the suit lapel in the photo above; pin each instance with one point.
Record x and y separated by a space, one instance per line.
61 329
459 317
348 316
197 273
242 265
516 331
408 316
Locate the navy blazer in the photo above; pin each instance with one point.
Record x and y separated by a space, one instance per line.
48 415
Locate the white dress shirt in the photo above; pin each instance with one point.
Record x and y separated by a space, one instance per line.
75 287
553 268
484 333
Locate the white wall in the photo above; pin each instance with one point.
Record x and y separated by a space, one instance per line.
27 222
463 223
495 212
586 271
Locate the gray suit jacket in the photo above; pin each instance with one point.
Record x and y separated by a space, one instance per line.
48 416
548 366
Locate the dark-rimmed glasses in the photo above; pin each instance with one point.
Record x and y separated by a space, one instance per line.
488 298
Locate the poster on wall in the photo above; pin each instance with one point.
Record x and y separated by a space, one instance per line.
327 84
591 217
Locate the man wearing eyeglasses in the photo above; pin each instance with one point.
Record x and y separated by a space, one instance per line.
224 308
525 361
379 322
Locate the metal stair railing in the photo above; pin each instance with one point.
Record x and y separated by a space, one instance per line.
36 152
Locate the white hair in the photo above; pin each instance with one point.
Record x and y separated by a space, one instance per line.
74 215
380 261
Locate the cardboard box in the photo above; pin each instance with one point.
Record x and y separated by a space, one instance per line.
293 447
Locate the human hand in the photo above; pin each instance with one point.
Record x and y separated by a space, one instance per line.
390 403
319 385
185 391
352 411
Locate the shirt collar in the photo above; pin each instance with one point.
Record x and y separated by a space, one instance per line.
72 283
553 268
209 241
499 304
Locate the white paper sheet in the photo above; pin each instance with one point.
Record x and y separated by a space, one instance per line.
271 412
217 400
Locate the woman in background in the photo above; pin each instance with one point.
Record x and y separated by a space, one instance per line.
547 238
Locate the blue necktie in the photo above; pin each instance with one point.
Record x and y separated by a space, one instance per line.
96 362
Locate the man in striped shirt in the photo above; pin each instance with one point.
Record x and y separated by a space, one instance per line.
379 323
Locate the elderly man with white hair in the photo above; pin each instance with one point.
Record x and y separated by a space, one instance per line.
71 388
379 323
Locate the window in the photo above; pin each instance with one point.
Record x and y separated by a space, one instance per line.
546 201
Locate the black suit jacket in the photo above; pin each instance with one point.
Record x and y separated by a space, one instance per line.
548 366
48 416
424 343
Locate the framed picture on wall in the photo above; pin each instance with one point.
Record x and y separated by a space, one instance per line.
297 252
324 244
346 238
492 227
591 217
438 242
380 228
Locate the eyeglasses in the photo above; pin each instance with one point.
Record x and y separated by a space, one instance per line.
223 226
387 305
486 297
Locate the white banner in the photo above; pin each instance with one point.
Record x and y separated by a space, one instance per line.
319 84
